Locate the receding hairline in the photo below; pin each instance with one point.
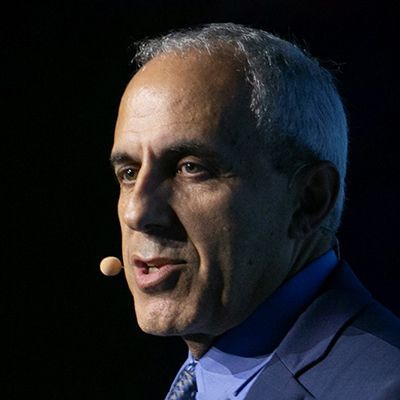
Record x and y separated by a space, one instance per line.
219 76
227 60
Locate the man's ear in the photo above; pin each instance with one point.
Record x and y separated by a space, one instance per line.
316 187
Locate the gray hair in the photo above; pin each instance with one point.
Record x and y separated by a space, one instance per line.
298 111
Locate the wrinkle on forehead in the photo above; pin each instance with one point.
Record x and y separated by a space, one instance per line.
189 78
175 94
156 111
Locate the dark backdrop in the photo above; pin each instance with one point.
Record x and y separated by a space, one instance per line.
71 332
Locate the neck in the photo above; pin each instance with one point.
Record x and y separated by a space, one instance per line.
198 344
308 249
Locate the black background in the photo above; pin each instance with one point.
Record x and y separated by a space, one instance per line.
71 332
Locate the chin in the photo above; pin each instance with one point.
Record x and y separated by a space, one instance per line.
178 327
170 321
157 326
162 323
176 315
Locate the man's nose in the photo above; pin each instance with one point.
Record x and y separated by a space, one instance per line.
146 207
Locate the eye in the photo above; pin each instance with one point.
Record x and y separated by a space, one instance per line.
191 168
127 175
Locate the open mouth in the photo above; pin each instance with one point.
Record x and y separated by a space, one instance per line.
155 264
152 268
157 274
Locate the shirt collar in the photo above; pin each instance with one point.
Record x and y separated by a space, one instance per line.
261 332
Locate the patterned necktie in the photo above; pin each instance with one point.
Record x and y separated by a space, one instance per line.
185 386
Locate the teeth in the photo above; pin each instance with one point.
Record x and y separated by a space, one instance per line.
152 269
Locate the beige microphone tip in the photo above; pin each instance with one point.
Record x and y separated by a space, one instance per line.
110 266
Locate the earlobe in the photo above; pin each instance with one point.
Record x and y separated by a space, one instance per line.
300 226
317 188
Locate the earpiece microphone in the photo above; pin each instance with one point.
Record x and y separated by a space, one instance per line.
111 266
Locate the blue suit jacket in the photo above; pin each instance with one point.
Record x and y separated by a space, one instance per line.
345 346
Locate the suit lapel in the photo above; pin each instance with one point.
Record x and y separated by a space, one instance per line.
276 382
311 338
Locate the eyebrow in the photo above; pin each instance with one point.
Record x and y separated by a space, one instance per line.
182 149
193 148
119 158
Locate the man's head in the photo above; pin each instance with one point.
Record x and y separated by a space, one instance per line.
298 112
215 215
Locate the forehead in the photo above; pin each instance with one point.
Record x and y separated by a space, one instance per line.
199 73
192 96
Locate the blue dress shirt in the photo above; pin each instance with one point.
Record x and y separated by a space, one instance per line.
230 366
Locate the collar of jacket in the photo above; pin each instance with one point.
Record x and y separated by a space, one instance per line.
312 337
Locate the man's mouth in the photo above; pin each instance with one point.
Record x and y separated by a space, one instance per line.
156 274
152 268
154 264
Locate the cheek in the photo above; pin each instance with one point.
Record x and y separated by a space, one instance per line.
121 207
206 216
125 231
124 209
209 219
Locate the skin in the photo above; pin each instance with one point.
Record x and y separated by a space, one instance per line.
194 186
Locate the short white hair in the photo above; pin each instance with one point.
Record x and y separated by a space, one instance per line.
299 114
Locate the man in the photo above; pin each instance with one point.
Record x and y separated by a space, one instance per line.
230 150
